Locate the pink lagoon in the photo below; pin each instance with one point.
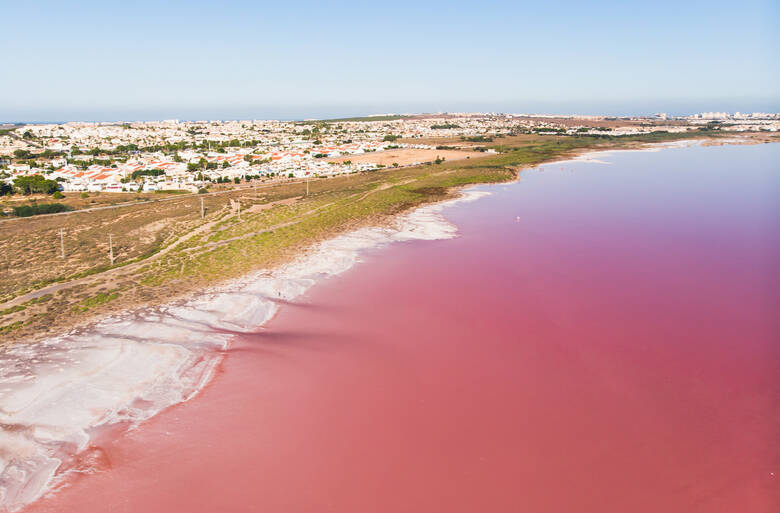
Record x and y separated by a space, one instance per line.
601 335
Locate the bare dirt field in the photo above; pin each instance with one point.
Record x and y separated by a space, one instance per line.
408 156
463 144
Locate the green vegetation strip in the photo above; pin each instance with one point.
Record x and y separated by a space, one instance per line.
95 301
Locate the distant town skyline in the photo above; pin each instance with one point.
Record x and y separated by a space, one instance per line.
349 111
105 61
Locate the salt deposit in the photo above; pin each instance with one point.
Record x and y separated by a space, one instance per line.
129 367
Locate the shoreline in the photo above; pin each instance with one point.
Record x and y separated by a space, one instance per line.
311 384
38 379
93 377
26 321
587 156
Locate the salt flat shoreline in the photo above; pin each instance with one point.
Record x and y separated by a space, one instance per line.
130 366
54 393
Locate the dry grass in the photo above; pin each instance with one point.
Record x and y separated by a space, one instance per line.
165 250
521 139
407 156
75 200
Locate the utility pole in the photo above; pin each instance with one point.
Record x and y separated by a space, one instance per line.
62 245
239 209
111 249
202 209
307 185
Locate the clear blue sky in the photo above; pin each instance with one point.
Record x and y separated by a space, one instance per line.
193 60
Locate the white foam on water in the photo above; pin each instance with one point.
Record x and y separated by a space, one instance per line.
129 367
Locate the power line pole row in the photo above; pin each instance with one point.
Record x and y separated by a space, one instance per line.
111 249
111 238
110 246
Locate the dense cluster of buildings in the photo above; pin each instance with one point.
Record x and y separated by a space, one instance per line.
737 116
188 155
175 155
190 170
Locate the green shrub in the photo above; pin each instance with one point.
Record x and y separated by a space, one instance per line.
43 208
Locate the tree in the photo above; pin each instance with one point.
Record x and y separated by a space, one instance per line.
35 183
22 154
236 180
147 172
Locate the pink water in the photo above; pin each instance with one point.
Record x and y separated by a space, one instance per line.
615 349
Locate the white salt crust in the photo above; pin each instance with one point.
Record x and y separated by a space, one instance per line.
129 367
